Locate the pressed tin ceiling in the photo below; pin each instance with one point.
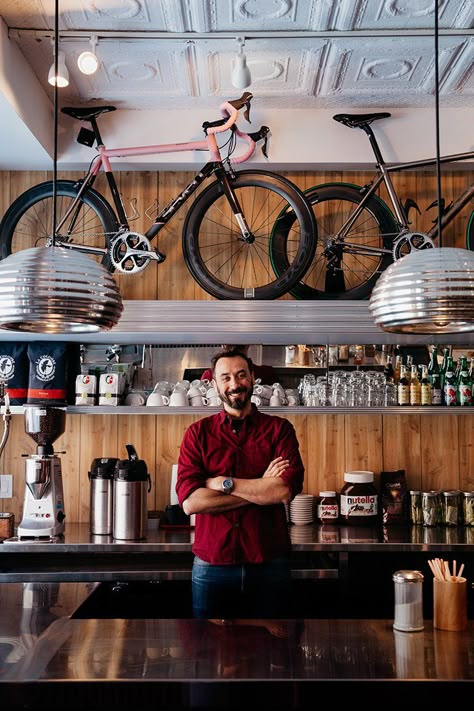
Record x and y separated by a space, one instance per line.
335 54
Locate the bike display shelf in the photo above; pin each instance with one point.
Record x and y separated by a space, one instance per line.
264 322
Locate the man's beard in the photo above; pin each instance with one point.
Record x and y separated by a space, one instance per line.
237 403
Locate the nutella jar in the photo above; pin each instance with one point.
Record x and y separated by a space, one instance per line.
359 498
328 508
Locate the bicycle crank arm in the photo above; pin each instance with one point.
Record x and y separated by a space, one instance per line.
146 254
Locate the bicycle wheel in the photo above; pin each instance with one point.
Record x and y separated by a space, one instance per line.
225 265
28 221
336 272
470 232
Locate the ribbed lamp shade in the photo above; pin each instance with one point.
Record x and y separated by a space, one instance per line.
53 290
429 291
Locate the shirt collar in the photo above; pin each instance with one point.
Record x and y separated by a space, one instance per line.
251 417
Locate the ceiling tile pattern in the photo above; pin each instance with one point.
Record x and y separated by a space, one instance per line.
372 53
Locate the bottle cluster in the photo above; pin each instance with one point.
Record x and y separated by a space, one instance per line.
446 384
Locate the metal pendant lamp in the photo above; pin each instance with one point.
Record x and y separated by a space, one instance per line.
54 290
432 290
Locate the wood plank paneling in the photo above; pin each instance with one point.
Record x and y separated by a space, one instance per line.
435 451
402 446
439 452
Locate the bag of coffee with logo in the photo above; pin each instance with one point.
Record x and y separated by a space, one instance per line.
14 370
48 373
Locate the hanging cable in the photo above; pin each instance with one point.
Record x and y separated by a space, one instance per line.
437 128
55 112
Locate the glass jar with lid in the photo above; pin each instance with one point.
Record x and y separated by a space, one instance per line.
431 502
452 507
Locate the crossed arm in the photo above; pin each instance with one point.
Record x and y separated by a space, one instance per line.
269 489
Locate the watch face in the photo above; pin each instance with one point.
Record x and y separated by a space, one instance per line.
227 485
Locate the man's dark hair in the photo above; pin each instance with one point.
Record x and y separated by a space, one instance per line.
231 354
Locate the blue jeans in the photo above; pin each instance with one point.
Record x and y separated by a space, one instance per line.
249 590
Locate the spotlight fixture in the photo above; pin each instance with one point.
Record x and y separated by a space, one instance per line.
88 61
61 79
241 77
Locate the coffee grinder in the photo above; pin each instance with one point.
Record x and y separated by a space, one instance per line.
43 510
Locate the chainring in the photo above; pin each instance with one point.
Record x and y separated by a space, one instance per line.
410 242
122 252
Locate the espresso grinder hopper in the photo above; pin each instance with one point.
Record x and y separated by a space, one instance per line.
43 510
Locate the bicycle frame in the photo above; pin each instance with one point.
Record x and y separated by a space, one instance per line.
214 166
383 177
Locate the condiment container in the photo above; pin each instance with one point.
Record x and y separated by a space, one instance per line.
359 498
468 508
408 600
452 508
432 508
328 508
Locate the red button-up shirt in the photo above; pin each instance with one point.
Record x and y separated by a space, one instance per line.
253 533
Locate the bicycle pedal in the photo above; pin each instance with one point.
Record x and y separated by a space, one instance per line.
160 256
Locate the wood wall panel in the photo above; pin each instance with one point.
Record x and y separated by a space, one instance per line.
439 452
402 448
435 451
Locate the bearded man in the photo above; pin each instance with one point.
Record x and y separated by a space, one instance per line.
236 470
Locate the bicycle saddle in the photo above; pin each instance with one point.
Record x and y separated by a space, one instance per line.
357 120
86 114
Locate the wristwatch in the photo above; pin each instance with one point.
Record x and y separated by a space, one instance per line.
227 486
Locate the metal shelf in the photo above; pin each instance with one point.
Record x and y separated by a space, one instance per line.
283 410
264 322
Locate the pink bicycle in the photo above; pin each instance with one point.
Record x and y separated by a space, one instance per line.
228 231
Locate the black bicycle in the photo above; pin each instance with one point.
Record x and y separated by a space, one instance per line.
228 236
358 234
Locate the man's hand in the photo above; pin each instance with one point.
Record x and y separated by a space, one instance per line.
276 467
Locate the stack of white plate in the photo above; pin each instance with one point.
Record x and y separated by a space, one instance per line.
301 509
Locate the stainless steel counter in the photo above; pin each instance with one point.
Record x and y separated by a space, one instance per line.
50 660
317 552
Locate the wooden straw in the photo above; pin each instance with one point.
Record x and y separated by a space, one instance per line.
460 572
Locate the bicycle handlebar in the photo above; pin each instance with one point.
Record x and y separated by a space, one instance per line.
230 112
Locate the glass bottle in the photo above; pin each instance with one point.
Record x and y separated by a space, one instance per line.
450 384
434 375
388 370
426 392
397 367
464 384
471 368
415 386
444 365
403 387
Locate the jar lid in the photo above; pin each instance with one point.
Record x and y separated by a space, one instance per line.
468 494
359 477
415 491
452 492
327 494
408 576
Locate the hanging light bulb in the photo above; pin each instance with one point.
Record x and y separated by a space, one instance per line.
88 61
62 77
52 289
241 77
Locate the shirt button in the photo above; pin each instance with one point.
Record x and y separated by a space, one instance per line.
237 525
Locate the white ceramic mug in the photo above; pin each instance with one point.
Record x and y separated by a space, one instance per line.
275 400
135 398
211 392
278 388
264 391
196 392
178 398
199 400
293 400
215 401
157 399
